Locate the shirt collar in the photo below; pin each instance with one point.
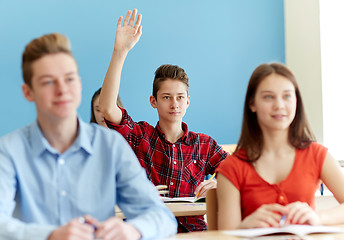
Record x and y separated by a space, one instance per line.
185 138
39 143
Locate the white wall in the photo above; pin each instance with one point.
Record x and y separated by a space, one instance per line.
302 39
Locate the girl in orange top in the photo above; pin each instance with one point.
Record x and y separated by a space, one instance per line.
277 166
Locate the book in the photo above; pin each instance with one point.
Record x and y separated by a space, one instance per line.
183 199
298 230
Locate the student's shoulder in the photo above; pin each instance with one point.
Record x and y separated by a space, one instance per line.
16 138
314 148
314 153
127 119
317 146
235 160
202 137
94 129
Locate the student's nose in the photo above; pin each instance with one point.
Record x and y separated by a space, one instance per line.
174 103
61 86
279 103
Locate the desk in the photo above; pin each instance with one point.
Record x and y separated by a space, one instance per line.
178 209
219 235
187 209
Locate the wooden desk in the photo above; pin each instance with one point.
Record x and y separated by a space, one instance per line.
220 235
187 209
178 209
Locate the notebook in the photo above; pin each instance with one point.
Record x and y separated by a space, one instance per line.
183 199
298 230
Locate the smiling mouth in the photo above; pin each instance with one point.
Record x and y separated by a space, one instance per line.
279 116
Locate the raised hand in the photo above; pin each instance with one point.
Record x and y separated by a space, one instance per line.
301 213
268 215
128 34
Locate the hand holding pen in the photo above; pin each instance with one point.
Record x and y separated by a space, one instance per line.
74 229
204 186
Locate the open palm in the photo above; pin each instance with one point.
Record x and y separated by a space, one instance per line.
128 34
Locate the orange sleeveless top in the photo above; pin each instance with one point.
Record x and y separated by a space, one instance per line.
300 185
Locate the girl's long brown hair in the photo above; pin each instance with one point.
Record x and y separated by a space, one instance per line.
251 137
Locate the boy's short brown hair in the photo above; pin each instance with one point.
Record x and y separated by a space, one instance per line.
39 47
169 71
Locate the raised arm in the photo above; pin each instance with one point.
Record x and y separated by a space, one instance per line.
126 38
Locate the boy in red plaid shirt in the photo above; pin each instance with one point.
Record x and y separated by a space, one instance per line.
170 153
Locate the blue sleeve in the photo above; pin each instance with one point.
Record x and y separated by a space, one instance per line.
11 228
139 200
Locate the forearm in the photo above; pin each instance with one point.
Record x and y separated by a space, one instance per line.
110 89
17 230
155 224
332 216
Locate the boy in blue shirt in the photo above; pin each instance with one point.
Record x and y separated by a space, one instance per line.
60 170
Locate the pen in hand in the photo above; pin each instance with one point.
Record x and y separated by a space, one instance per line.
212 176
83 221
283 219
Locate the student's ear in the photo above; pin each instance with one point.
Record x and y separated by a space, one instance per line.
252 107
188 102
27 91
152 101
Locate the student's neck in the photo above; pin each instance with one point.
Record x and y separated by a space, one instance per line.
277 142
59 134
172 131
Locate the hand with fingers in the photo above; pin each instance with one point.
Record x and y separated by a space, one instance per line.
301 213
128 34
73 230
115 229
268 215
203 187
163 189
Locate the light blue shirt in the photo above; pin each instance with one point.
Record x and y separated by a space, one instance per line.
41 189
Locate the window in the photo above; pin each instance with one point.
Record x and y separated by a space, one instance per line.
332 63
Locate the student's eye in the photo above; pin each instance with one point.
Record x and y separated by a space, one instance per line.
70 79
287 96
181 97
268 97
166 97
47 82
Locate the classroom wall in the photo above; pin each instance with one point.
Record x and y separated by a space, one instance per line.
218 43
303 56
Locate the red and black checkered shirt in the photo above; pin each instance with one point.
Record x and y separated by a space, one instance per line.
181 165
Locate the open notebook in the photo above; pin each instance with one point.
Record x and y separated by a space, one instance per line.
183 199
298 230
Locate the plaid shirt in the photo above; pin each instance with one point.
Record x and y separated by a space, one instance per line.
181 165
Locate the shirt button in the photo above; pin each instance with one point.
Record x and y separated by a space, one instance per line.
281 198
171 183
194 161
61 161
63 193
175 162
173 145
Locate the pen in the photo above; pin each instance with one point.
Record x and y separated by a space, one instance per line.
212 176
282 221
83 221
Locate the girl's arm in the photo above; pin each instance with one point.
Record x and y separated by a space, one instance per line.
333 178
229 209
229 212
